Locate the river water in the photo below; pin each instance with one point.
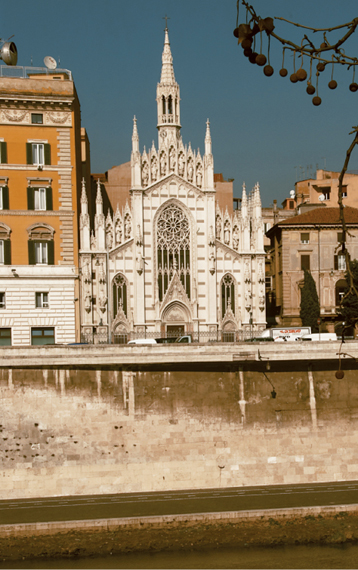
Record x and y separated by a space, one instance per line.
309 556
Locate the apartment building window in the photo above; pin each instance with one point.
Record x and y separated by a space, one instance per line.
37 118
344 192
38 154
3 152
305 238
5 337
39 198
5 252
2 301
42 335
326 192
267 226
41 300
341 289
4 198
291 205
340 262
41 245
305 262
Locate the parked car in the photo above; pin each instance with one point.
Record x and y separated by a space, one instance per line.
319 336
143 341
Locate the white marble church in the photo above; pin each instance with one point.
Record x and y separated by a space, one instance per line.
172 261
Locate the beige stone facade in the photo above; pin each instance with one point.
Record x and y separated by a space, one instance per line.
311 241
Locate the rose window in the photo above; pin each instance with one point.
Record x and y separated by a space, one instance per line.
173 248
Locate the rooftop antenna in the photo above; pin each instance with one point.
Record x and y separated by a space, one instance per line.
8 51
50 62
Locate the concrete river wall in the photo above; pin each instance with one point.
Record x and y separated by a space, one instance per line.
87 420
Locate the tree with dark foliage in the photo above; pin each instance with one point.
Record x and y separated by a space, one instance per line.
349 305
309 311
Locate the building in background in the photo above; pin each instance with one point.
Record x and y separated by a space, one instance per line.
324 189
311 241
174 257
40 174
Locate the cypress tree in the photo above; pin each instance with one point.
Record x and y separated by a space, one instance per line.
309 310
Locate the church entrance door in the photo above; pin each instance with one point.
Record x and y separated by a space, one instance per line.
175 330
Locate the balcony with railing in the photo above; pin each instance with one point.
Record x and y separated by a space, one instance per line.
27 72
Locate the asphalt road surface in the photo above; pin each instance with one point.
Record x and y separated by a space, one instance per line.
177 502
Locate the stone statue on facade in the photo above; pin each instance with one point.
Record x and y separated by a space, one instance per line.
145 174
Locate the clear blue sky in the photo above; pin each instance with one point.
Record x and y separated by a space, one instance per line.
263 129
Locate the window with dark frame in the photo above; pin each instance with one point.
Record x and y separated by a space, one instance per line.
340 262
305 262
3 152
42 335
5 337
37 118
4 198
305 238
2 301
41 300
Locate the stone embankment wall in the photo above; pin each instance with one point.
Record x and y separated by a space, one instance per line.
84 431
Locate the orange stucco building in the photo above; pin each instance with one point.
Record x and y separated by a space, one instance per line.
40 186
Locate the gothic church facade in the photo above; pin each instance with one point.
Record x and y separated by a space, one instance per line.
171 261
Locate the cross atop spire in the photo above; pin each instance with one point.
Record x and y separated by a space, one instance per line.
166 18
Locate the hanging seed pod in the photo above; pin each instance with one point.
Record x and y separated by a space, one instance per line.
324 45
247 52
321 66
293 77
339 374
332 84
246 43
301 74
268 70
310 89
316 100
236 32
260 59
252 57
353 86
283 72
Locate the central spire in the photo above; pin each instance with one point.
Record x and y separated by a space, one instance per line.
167 76
168 96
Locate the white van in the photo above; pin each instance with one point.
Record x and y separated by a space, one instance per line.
143 341
319 336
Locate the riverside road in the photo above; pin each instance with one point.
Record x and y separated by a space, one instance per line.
84 507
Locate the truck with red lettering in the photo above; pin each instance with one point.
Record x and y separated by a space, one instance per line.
285 334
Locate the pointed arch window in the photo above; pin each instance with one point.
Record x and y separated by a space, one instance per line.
173 248
119 295
170 105
227 294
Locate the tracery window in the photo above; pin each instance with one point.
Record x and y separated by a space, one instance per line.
173 248
119 295
227 294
